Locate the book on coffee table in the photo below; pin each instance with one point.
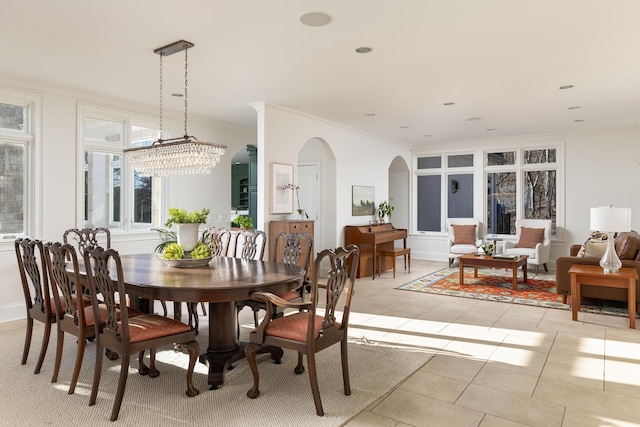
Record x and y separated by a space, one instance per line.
505 256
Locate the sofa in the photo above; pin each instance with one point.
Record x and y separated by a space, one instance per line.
627 246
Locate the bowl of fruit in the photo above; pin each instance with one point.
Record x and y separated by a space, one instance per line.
174 256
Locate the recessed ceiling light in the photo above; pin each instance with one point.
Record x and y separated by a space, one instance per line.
364 49
178 95
370 114
574 108
473 119
566 87
578 120
449 103
315 19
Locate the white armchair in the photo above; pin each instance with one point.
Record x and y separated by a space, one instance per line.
538 252
469 245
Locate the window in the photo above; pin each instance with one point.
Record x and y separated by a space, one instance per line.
520 189
115 196
18 209
518 183
455 183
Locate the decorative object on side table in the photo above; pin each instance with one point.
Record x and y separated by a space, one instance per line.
610 220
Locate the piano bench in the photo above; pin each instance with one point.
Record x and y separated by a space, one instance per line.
394 253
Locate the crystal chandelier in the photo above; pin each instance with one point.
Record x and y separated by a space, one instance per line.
178 156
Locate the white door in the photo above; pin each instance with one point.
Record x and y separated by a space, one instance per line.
310 197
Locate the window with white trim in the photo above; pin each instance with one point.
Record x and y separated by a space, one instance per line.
114 195
520 182
17 164
444 191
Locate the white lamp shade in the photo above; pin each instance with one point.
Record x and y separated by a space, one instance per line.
608 218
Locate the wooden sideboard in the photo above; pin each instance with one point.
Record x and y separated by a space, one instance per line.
297 227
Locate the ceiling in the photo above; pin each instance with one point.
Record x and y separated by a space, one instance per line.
501 62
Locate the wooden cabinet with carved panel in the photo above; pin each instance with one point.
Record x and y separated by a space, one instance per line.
293 226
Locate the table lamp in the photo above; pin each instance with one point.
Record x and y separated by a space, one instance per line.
610 220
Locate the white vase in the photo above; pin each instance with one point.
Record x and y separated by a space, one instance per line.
187 235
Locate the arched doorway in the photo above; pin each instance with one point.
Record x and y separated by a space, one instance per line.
399 192
316 170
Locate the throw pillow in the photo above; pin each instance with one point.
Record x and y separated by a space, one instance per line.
464 234
530 237
595 245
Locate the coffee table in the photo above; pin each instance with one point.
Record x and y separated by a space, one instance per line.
477 260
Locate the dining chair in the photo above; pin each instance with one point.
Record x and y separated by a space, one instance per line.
288 248
88 238
313 328
128 335
217 239
73 318
249 244
37 295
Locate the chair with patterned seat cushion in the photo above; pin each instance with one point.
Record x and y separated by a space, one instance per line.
312 328
534 240
39 302
463 237
288 248
128 335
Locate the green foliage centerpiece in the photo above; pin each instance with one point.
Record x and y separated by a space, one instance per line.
186 242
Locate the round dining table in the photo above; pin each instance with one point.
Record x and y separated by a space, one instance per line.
222 282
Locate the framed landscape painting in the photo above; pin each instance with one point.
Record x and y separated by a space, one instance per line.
363 200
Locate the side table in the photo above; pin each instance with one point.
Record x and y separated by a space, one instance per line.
595 275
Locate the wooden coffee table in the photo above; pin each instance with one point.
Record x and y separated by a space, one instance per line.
477 260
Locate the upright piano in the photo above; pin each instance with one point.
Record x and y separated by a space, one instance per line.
370 238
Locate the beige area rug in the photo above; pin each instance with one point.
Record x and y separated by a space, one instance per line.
285 399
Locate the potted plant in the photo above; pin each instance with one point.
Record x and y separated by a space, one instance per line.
385 209
187 225
242 221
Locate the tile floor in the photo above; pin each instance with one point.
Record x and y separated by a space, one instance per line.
494 364
497 364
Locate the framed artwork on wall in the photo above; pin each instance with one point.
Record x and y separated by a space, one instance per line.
281 194
363 200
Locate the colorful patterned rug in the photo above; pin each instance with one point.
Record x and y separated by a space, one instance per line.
490 285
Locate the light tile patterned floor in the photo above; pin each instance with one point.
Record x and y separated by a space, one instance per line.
495 364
